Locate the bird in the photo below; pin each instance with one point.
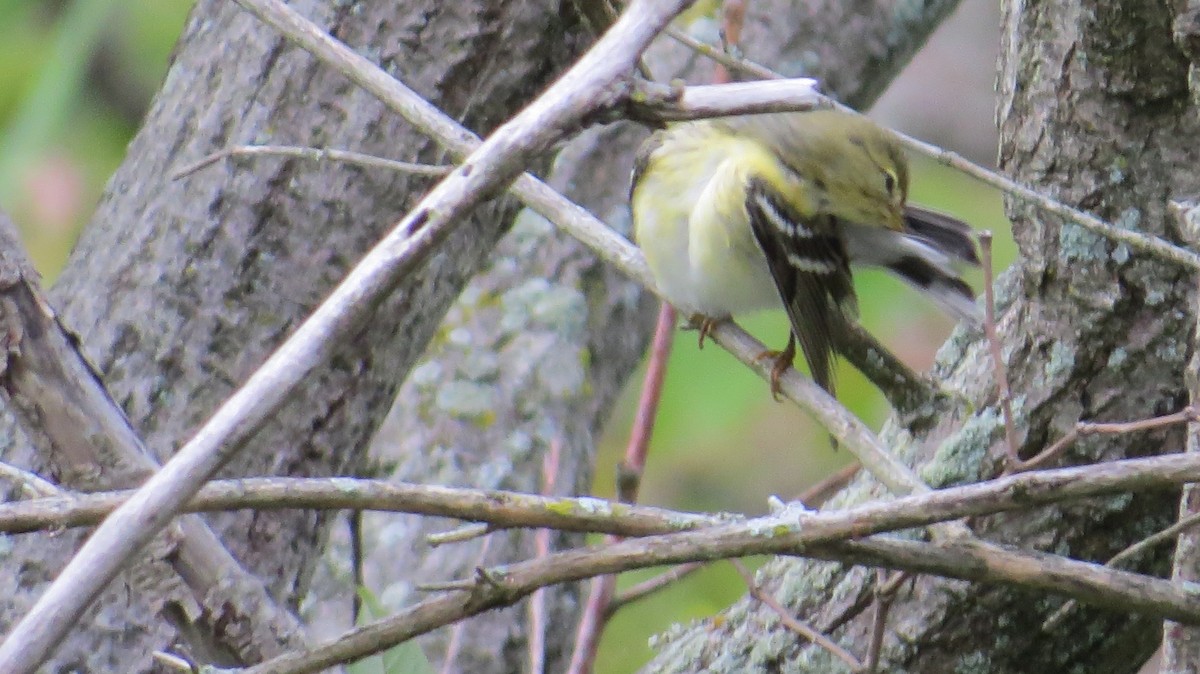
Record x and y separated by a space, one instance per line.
744 213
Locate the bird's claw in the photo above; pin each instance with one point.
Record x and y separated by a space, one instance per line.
705 325
783 361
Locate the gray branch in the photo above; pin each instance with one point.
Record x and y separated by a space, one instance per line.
508 509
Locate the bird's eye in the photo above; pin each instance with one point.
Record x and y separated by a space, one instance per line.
889 182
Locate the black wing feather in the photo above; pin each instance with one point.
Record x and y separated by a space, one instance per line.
811 269
949 235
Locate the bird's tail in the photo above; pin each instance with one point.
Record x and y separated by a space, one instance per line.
924 255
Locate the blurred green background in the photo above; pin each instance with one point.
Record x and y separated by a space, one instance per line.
76 78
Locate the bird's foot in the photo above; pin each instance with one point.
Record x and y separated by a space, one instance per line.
783 361
704 324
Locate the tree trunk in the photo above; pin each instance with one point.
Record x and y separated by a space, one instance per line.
1094 110
179 289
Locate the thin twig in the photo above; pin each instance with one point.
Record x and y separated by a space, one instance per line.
1154 539
455 642
464 533
591 624
816 496
733 13
506 509
885 592
35 484
792 623
354 523
651 585
445 585
1084 429
541 545
728 61
894 582
314 154
638 447
999 369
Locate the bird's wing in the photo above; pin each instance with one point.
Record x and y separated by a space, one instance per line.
808 261
641 161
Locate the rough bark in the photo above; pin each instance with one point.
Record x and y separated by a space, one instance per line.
179 289
1094 110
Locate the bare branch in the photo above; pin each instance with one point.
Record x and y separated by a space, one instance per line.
815 496
506 509
313 154
36 485
651 585
1000 371
538 619
658 103
721 56
885 591
1084 429
453 645
459 535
